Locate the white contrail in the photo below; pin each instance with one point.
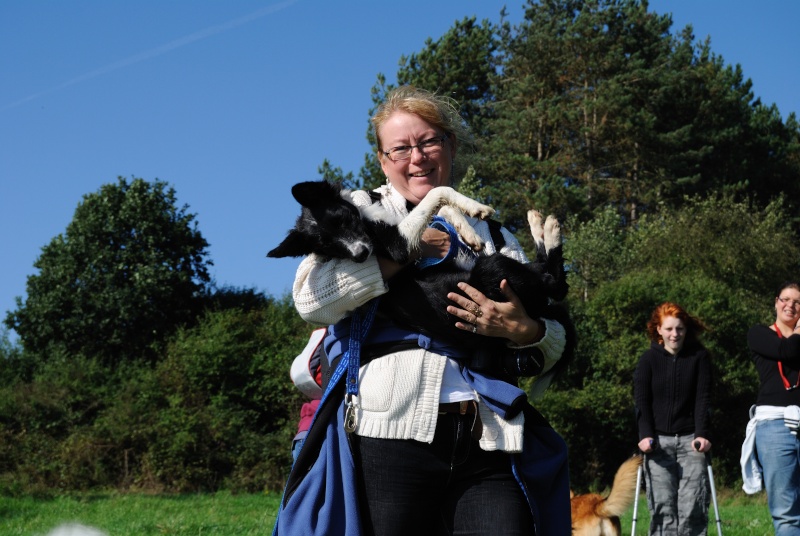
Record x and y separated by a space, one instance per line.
163 49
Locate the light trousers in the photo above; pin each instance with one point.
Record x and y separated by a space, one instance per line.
678 490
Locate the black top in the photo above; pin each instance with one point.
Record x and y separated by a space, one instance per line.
768 350
673 393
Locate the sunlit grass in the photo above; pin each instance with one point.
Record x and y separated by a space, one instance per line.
740 515
220 514
224 514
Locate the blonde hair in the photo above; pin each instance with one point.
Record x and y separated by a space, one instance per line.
438 110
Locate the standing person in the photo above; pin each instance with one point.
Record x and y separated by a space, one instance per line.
432 457
776 352
672 388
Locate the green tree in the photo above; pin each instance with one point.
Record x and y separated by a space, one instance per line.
719 258
573 92
127 271
218 410
593 103
598 104
10 354
336 175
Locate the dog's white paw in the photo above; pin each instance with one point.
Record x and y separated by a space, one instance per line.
552 233
535 223
478 210
468 235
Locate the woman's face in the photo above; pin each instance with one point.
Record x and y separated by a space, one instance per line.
425 169
673 331
787 306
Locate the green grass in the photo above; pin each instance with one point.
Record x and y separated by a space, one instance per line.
223 514
740 515
220 514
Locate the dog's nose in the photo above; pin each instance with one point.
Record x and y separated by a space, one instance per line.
361 255
359 250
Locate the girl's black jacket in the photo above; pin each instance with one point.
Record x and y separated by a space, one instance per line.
673 393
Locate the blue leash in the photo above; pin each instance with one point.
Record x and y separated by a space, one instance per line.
358 332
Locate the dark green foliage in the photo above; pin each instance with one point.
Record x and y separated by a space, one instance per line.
719 259
218 411
123 276
228 392
12 366
336 175
47 425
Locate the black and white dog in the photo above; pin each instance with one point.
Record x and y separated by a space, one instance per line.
333 227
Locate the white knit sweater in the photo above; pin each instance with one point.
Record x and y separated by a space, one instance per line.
399 393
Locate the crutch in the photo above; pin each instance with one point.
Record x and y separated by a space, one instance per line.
713 488
639 473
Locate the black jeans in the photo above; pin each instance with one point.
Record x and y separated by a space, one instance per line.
448 487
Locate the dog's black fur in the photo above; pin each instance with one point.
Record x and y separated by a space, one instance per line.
333 227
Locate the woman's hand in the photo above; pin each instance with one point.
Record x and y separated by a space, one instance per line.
646 445
433 244
701 444
480 314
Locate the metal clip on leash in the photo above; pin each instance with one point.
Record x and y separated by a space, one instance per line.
349 414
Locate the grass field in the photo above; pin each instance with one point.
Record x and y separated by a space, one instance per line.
223 514
740 515
220 514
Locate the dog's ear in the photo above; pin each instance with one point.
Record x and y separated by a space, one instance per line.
315 193
294 245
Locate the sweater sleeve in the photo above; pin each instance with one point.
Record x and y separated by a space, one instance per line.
643 395
325 291
551 344
766 343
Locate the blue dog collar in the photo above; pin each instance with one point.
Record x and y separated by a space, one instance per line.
457 247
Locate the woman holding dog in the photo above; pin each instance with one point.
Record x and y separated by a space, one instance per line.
433 455
672 389
776 415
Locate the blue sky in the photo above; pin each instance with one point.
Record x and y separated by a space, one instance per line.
233 102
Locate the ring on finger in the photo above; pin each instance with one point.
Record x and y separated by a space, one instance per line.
477 312
474 328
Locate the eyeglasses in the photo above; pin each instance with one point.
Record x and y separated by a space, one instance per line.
428 147
785 301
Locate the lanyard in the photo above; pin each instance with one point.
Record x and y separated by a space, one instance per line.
358 332
780 367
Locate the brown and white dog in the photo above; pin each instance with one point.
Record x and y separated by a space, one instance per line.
595 515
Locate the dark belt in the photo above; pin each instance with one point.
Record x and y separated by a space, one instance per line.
465 407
